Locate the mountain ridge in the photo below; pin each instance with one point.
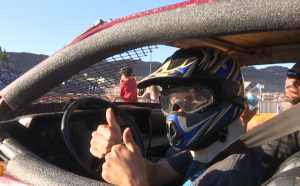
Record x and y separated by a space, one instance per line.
272 78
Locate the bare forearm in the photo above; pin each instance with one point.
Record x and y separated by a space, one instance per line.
145 94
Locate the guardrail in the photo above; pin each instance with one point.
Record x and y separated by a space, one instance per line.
140 99
117 99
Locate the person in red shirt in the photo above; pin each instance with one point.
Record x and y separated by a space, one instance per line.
128 89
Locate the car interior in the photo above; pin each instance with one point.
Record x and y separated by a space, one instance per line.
47 142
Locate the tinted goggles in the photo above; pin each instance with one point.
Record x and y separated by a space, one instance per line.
292 74
190 98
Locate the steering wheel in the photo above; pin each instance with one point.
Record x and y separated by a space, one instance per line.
96 102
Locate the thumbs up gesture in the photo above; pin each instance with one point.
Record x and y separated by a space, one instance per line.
125 165
106 136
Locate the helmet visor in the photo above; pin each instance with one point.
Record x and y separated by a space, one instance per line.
190 99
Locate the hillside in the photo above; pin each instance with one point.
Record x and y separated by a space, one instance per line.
25 61
272 78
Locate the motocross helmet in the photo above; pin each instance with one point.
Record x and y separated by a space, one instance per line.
202 93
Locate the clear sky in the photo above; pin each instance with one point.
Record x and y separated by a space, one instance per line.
44 26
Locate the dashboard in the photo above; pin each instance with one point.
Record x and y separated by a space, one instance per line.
41 133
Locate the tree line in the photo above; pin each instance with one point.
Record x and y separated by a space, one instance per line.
4 57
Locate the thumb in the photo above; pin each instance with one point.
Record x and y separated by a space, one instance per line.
128 140
111 120
110 117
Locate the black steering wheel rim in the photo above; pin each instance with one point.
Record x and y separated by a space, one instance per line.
96 101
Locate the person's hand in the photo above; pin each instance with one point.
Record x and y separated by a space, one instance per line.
106 136
124 164
247 115
122 79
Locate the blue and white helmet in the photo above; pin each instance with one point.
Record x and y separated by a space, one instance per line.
202 92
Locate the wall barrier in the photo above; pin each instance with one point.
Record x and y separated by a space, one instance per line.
272 106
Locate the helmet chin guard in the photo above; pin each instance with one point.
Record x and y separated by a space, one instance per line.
199 130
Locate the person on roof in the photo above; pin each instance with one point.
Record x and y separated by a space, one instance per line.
202 98
128 89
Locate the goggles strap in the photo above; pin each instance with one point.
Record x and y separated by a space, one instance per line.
237 101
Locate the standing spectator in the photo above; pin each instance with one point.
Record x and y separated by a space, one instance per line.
292 88
128 89
292 93
153 91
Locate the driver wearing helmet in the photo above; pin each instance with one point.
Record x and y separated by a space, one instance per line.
202 98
